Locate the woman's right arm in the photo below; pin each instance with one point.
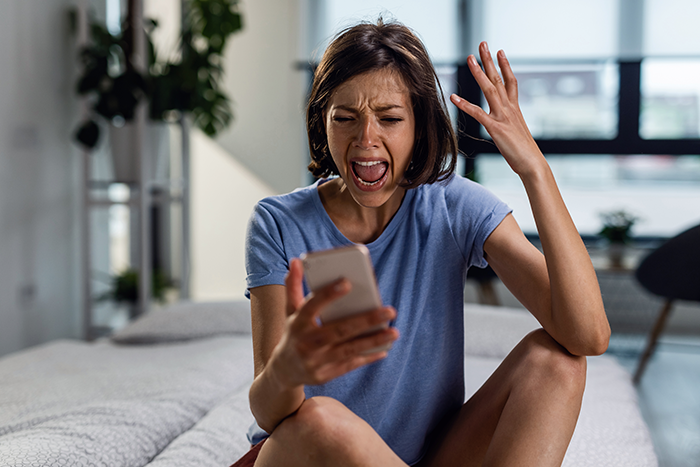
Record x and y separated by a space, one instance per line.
291 349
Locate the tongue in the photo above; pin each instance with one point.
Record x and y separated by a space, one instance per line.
370 173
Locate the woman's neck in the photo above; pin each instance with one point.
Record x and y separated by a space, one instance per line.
359 224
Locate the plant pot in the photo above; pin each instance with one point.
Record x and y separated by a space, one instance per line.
123 149
616 255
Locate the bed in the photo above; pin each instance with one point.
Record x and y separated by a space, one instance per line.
171 390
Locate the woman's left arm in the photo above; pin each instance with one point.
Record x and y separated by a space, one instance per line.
559 288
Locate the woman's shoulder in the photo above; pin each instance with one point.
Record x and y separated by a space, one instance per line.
297 200
455 188
458 197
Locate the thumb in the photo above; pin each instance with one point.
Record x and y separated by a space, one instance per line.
294 287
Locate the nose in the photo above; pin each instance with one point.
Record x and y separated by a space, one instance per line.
367 136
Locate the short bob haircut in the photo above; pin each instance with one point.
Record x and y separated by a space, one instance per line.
368 47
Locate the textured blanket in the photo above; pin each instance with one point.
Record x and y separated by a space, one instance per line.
74 403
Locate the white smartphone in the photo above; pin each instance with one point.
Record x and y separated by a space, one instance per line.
352 263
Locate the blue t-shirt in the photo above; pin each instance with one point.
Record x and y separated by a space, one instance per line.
420 261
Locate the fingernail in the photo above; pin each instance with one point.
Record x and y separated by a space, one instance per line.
472 59
456 99
341 286
486 47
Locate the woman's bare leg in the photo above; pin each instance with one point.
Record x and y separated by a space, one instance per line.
524 415
323 432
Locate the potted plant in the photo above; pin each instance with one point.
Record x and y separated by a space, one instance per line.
125 289
617 226
188 85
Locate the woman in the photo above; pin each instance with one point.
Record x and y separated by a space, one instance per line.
377 119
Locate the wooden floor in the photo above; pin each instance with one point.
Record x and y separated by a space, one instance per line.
669 396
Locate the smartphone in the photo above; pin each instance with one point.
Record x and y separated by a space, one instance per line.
352 263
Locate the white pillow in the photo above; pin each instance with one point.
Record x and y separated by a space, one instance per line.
186 321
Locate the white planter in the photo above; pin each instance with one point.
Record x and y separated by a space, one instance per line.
123 147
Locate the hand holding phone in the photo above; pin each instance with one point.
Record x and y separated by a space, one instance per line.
354 264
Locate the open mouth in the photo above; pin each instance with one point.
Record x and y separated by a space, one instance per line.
369 173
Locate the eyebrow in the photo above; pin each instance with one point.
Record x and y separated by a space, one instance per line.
380 108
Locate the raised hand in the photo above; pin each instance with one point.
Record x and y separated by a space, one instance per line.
310 353
504 122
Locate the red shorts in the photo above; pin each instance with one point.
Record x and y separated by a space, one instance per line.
248 460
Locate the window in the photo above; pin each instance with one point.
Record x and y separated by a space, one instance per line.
620 128
670 98
568 100
608 89
439 36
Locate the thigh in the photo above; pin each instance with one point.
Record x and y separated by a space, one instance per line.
324 432
529 405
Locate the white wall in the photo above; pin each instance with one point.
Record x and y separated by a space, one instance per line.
262 153
268 93
39 173
223 195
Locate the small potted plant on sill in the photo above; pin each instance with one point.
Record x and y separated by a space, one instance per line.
187 85
617 226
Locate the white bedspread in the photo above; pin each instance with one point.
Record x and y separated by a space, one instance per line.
74 403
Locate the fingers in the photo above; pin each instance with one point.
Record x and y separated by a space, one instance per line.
490 81
317 353
487 86
343 330
501 92
511 82
489 66
341 359
508 80
328 351
331 371
470 109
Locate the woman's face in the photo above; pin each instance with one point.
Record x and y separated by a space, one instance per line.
371 130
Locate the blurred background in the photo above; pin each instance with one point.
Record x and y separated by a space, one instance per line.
609 88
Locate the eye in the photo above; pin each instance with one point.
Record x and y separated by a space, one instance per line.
341 118
392 119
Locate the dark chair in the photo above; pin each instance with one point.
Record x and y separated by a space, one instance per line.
672 271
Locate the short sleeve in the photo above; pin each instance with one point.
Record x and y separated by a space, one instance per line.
477 212
265 259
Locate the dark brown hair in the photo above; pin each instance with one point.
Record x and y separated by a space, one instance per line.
369 47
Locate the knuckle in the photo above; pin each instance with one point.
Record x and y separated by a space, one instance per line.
300 348
348 351
311 369
342 330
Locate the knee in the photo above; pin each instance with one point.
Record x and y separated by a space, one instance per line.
320 415
547 361
321 424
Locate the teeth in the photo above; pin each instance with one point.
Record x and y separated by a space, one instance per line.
368 164
368 183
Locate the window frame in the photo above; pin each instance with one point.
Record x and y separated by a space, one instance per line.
627 141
